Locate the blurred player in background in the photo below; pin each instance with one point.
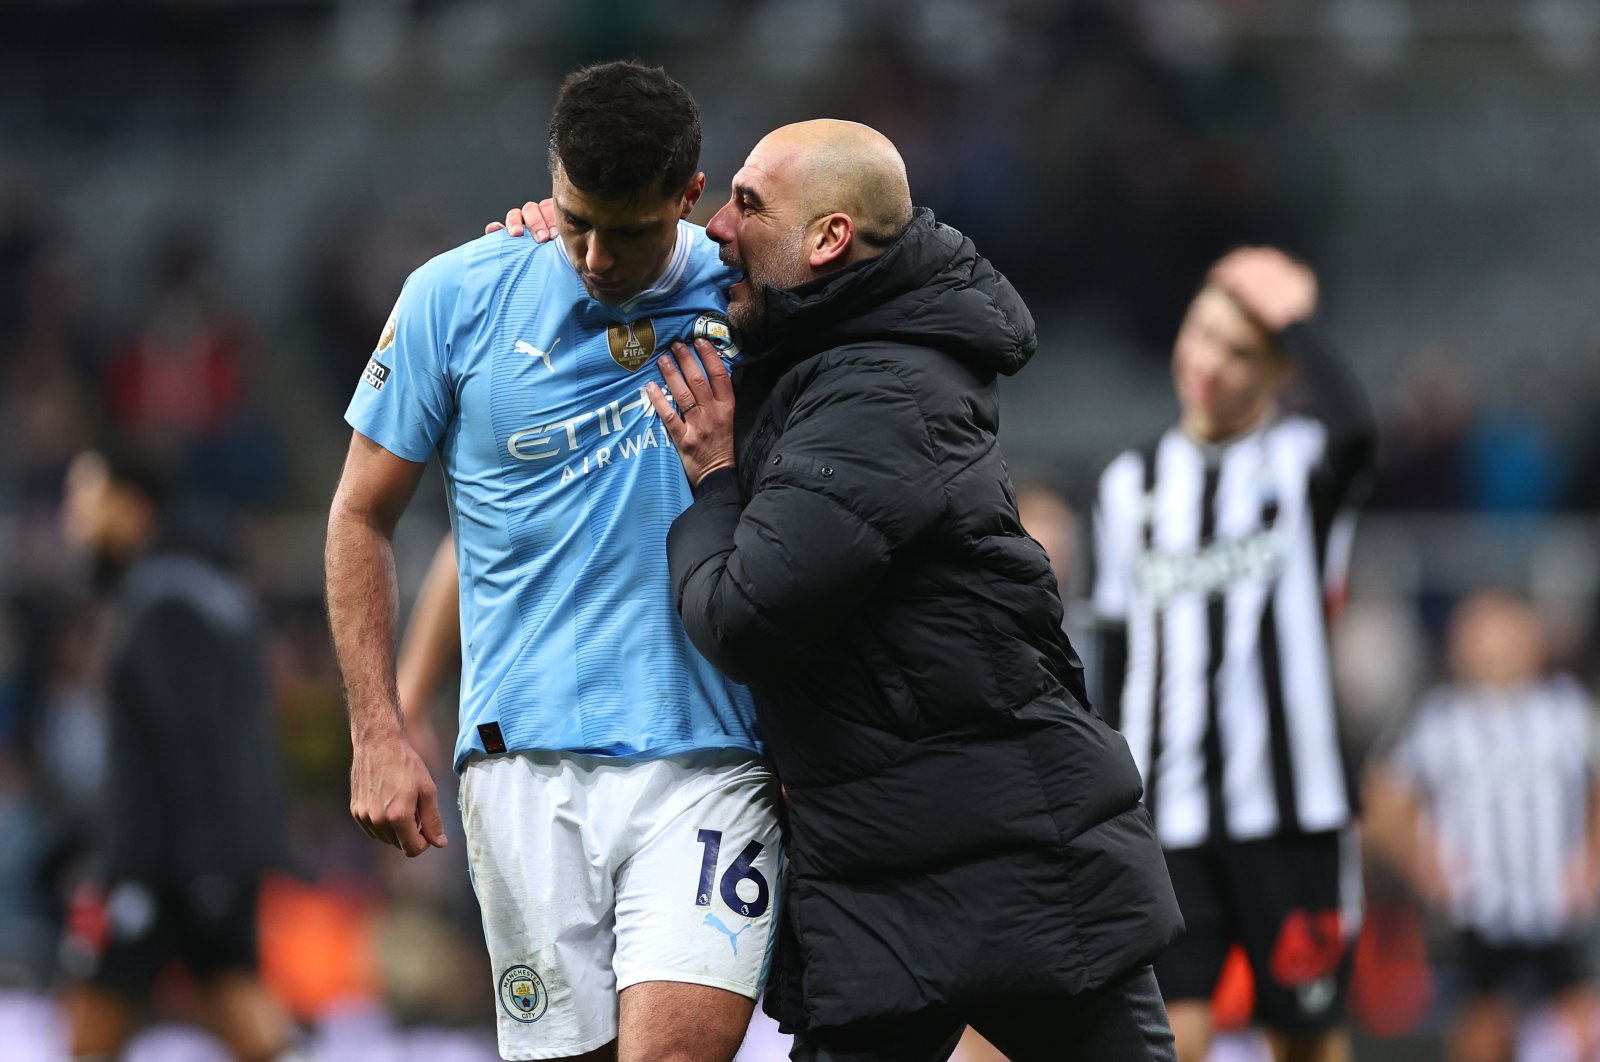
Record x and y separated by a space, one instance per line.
193 816
620 824
1215 551
1486 805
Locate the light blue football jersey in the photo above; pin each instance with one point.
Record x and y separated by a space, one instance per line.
562 485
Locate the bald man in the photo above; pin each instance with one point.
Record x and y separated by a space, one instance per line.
966 840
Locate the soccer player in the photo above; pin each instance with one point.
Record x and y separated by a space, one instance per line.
192 817
1486 806
1216 549
620 825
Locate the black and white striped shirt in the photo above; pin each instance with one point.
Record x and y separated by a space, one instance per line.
1506 776
1212 569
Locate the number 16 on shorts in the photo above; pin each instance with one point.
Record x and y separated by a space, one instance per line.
741 886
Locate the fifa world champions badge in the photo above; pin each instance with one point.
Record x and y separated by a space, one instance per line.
522 994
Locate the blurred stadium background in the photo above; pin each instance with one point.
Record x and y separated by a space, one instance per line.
208 207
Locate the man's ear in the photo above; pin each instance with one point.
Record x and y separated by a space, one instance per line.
830 242
692 193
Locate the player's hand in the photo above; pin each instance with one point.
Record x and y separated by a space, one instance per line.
701 421
541 217
1278 290
392 796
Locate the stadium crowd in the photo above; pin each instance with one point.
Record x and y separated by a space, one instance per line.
1170 154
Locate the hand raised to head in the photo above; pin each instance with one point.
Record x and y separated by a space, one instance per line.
1276 288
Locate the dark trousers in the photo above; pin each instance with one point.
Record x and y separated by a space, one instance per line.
1125 1021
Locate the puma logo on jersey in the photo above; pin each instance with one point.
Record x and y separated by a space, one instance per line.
524 347
733 938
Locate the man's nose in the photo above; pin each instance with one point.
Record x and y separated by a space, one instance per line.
720 227
596 259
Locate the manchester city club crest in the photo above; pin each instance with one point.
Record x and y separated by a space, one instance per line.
522 995
716 329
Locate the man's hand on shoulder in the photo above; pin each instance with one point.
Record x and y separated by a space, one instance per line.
393 797
540 217
1276 288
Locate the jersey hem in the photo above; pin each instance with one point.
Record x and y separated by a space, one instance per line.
643 755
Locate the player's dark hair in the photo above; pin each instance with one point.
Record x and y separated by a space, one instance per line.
621 129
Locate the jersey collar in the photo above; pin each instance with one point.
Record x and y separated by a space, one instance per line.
665 283
1214 449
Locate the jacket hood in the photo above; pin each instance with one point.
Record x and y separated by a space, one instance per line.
930 288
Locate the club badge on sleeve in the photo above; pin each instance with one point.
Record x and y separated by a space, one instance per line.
716 329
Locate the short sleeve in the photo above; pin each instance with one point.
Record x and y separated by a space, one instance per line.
1578 705
404 400
1115 506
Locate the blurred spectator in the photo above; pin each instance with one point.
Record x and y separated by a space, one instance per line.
1583 485
190 818
1512 460
1179 161
1486 807
1102 152
178 375
44 359
22 233
184 385
25 927
1420 456
1048 518
356 265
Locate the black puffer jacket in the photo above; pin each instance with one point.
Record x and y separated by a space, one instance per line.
961 824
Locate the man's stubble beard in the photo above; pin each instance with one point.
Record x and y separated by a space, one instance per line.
788 270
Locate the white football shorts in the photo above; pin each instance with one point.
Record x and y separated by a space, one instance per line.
596 873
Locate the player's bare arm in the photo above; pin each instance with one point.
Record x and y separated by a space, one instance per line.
1586 875
1398 830
430 649
392 795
